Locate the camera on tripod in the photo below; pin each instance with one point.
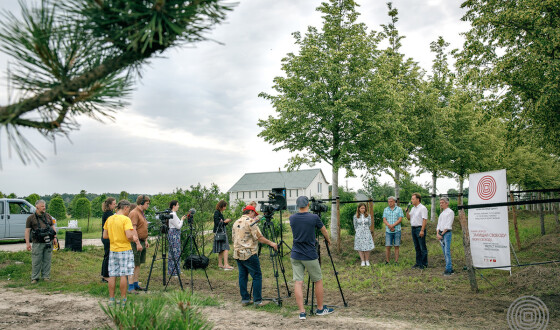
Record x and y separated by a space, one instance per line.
164 217
318 206
276 202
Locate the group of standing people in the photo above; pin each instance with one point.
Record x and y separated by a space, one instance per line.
393 215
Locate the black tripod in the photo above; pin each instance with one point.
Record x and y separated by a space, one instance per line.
163 240
191 242
269 232
312 284
282 242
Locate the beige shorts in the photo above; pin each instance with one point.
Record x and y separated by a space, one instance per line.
313 268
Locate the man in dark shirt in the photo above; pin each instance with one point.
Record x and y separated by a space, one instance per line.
41 252
304 254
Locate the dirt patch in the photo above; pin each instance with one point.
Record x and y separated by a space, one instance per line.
29 309
233 316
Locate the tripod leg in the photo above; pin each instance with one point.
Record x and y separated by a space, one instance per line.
153 260
174 263
308 286
336 274
205 273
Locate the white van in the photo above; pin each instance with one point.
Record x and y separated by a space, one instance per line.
13 215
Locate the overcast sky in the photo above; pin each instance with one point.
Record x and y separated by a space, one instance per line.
193 116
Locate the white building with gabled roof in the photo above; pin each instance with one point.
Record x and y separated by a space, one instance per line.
257 186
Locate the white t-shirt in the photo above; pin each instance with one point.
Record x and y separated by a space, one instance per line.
418 213
445 220
175 222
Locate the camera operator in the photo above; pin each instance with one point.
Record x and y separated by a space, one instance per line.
246 240
41 226
221 247
174 236
304 254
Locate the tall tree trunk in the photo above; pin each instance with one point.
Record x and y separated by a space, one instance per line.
397 186
466 240
433 208
461 182
334 219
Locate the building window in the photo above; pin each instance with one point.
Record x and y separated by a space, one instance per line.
290 192
262 194
237 195
243 195
297 192
249 194
319 187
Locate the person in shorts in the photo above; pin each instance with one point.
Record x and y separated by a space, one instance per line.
118 229
392 217
140 225
304 254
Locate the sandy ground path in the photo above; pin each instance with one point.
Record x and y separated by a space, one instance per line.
30 309
19 246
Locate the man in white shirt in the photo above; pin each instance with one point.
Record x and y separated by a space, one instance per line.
418 217
443 232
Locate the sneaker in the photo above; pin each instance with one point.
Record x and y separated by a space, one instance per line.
247 303
416 266
386 262
133 291
363 263
262 303
324 311
302 316
112 302
47 279
122 303
367 263
34 282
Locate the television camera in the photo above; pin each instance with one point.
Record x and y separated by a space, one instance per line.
318 206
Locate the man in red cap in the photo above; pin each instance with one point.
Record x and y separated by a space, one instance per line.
245 247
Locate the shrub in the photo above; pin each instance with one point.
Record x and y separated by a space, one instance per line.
57 209
96 205
82 208
32 198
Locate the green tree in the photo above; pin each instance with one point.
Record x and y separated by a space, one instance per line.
403 78
327 100
74 202
123 195
82 209
512 51
57 209
32 198
79 57
433 144
97 206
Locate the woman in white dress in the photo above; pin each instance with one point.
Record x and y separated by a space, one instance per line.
363 242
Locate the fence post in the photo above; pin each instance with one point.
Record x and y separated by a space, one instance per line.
338 245
540 208
372 227
467 245
555 210
514 212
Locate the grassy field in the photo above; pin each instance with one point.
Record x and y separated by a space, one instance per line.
425 296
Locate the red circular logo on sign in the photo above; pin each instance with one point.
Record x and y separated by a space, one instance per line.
486 188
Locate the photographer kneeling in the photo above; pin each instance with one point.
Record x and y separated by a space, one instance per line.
304 254
41 227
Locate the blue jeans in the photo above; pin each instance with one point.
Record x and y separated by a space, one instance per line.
420 246
446 248
250 266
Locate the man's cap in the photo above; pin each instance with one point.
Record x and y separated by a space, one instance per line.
302 201
250 208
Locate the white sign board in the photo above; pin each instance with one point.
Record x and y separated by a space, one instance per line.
488 227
